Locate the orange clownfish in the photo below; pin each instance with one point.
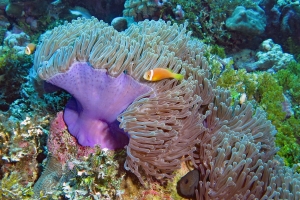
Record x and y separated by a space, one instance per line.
30 48
158 74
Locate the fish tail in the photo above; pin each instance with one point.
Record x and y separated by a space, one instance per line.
178 76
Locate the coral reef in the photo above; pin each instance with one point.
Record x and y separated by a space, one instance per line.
16 41
247 21
95 176
21 145
282 22
207 20
269 57
93 170
288 130
140 9
63 146
12 189
214 124
14 66
290 15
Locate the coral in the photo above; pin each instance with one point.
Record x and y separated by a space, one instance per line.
13 70
21 145
98 175
290 15
67 160
293 48
288 140
16 41
10 188
48 181
269 57
238 82
288 79
247 21
62 145
140 9
288 130
269 95
95 176
207 19
217 50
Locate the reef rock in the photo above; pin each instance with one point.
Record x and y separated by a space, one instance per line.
247 21
269 58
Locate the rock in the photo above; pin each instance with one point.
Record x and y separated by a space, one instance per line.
247 21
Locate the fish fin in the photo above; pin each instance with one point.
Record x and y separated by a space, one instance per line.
169 70
178 77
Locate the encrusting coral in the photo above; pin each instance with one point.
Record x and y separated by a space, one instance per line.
20 147
91 170
166 122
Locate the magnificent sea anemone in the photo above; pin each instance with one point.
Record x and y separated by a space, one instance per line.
161 123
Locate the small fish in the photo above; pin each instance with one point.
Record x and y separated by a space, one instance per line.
243 98
158 74
80 11
187 185
30 48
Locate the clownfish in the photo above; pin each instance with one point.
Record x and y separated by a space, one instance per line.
158 74
30 48
243 98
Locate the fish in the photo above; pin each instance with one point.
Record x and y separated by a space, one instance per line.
158 74
80 11
30 48
243 98
187 185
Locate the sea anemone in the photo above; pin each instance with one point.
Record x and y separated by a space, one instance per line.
160 123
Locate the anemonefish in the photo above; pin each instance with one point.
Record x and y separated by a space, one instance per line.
30 48
243 98
158 74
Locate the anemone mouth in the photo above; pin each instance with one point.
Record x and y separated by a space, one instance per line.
97 100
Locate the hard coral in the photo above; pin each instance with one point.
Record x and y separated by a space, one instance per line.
62 145
140 9
247 21
19 152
